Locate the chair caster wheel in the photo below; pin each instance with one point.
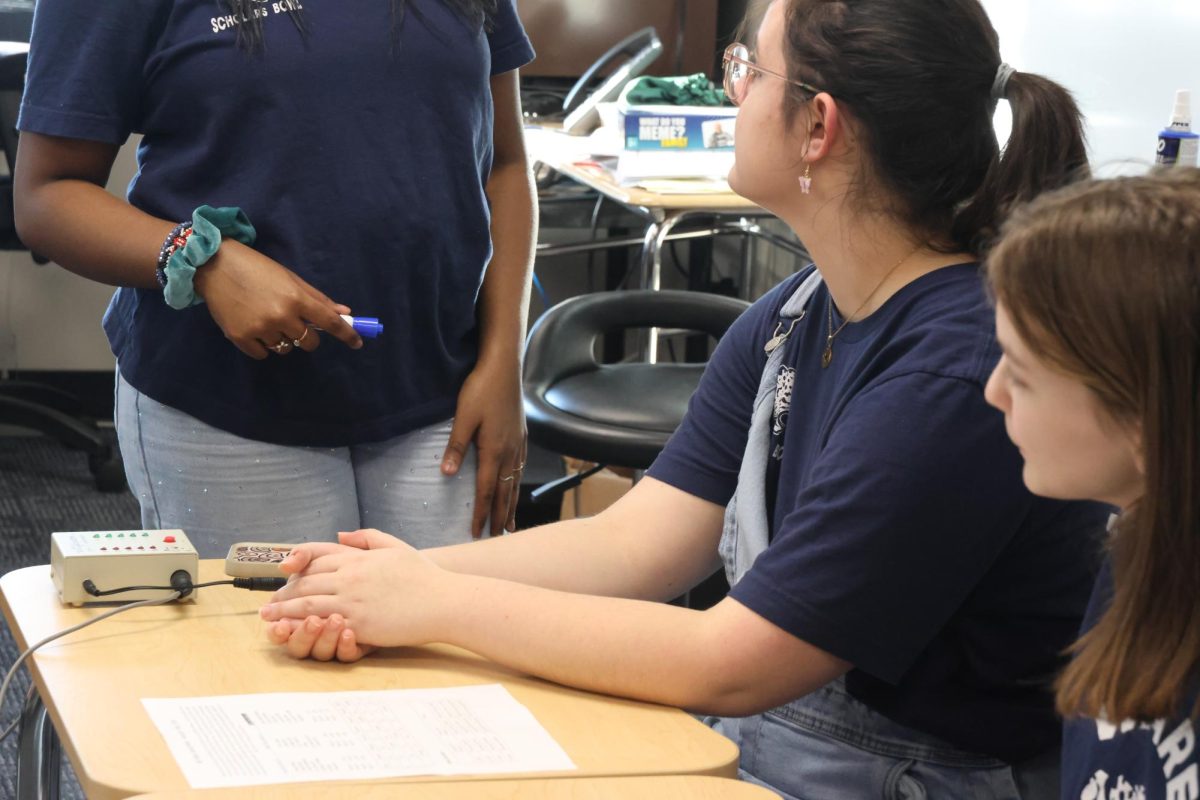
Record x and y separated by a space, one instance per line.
109 472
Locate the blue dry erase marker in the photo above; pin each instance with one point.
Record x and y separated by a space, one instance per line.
366 327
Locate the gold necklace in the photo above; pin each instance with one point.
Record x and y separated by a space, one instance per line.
827 356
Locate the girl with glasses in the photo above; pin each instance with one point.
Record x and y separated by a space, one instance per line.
899 600
1098 310
367 156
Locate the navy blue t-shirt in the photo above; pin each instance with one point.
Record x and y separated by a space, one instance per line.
903 539
360 159
1140 761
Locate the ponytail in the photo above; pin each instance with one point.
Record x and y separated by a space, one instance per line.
1045 151
918 77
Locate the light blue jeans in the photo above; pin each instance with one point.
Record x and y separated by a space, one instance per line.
828 746
221 489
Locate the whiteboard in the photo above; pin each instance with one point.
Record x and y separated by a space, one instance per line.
1122 59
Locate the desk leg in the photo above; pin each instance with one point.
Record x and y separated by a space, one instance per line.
651 275
39 756
747 259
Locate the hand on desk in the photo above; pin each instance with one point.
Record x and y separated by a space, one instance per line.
318 639
343 600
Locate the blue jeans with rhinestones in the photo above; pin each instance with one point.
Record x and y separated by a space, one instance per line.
221 489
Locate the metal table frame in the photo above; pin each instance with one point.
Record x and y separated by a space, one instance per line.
39 753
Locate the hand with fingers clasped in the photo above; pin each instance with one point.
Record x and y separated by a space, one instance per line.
263 307
344 600
490 413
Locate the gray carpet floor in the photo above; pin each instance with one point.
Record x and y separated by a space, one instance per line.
44 487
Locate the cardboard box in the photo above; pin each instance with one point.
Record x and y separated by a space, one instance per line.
678 128
595 493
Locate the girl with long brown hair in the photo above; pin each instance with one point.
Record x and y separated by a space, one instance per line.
1098 311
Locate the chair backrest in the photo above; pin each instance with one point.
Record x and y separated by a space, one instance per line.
12 84
562 342
615 413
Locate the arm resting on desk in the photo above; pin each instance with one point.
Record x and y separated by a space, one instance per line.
726 660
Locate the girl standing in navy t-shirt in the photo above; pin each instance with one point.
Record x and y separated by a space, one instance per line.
375 148
1098 312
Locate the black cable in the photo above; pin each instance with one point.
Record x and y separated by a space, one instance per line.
677 261
91 589
680 33
181 582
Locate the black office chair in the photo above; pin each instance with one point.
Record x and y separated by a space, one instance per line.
27 404
613 414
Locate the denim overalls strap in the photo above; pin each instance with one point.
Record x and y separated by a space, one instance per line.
829 744
745 532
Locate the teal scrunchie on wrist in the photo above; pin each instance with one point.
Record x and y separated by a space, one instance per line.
209 226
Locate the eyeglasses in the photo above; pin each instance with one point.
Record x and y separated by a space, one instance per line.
739 70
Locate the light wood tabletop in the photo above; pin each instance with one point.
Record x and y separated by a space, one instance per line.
668 787
568 155
92 683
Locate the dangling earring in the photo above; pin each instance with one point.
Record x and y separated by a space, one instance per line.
806 180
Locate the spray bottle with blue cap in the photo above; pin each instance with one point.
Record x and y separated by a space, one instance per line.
1177 144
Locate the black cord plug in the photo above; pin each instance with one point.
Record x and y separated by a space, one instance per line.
260 584
181 581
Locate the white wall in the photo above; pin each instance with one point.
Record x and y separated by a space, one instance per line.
1123 59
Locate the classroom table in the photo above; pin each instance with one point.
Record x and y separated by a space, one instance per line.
659 787
91 683
722 213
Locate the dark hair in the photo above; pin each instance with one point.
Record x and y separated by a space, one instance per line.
1102 281
917 76
478 13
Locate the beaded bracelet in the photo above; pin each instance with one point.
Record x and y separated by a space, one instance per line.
208 227
176 239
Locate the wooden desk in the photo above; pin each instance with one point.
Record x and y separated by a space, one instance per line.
92 683
673 787
722 213
582 169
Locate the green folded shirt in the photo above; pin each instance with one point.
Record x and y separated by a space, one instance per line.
686 90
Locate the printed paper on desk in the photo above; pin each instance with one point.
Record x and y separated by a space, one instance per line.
253 739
